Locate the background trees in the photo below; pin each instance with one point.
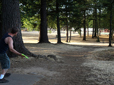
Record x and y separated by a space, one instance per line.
56 14
96 14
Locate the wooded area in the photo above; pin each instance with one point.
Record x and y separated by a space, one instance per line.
56 14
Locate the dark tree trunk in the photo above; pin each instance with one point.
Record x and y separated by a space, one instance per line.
43 31
58 25
93 34
96 24
99 22
84 37
67 32
87 27
66 24
11 18
110 35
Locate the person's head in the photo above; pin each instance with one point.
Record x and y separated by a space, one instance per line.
14 30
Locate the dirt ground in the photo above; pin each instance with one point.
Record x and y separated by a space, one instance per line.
75 64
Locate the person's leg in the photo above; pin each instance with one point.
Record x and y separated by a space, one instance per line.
5 63
3 73
2 80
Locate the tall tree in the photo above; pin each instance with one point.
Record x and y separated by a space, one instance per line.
58 25
110 35
84 22
43 31
96 22
84 7
11 18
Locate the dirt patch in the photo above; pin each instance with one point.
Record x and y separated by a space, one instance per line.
105 55
102 67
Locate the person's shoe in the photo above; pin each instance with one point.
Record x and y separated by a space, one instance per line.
3 81
7 75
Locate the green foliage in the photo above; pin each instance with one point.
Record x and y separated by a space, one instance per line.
106 15
90 24
30 7
30 14
51 23
31 23
70 11
71 14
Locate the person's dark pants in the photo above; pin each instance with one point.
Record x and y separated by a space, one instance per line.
5 61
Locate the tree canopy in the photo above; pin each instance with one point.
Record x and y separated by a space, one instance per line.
72 10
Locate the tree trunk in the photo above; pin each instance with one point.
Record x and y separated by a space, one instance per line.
43 31
67 32
110 35
84 37
99 33
96 23
87 28
58 25
93 34
11 18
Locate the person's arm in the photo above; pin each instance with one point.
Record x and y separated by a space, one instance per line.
9 41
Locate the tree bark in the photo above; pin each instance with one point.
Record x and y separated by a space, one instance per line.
43 31
96 23
67 31
11 18
99 22
93 33
58 25
110 35
84 22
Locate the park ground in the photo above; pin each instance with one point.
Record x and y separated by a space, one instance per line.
77 62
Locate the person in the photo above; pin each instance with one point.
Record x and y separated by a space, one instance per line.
6 43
